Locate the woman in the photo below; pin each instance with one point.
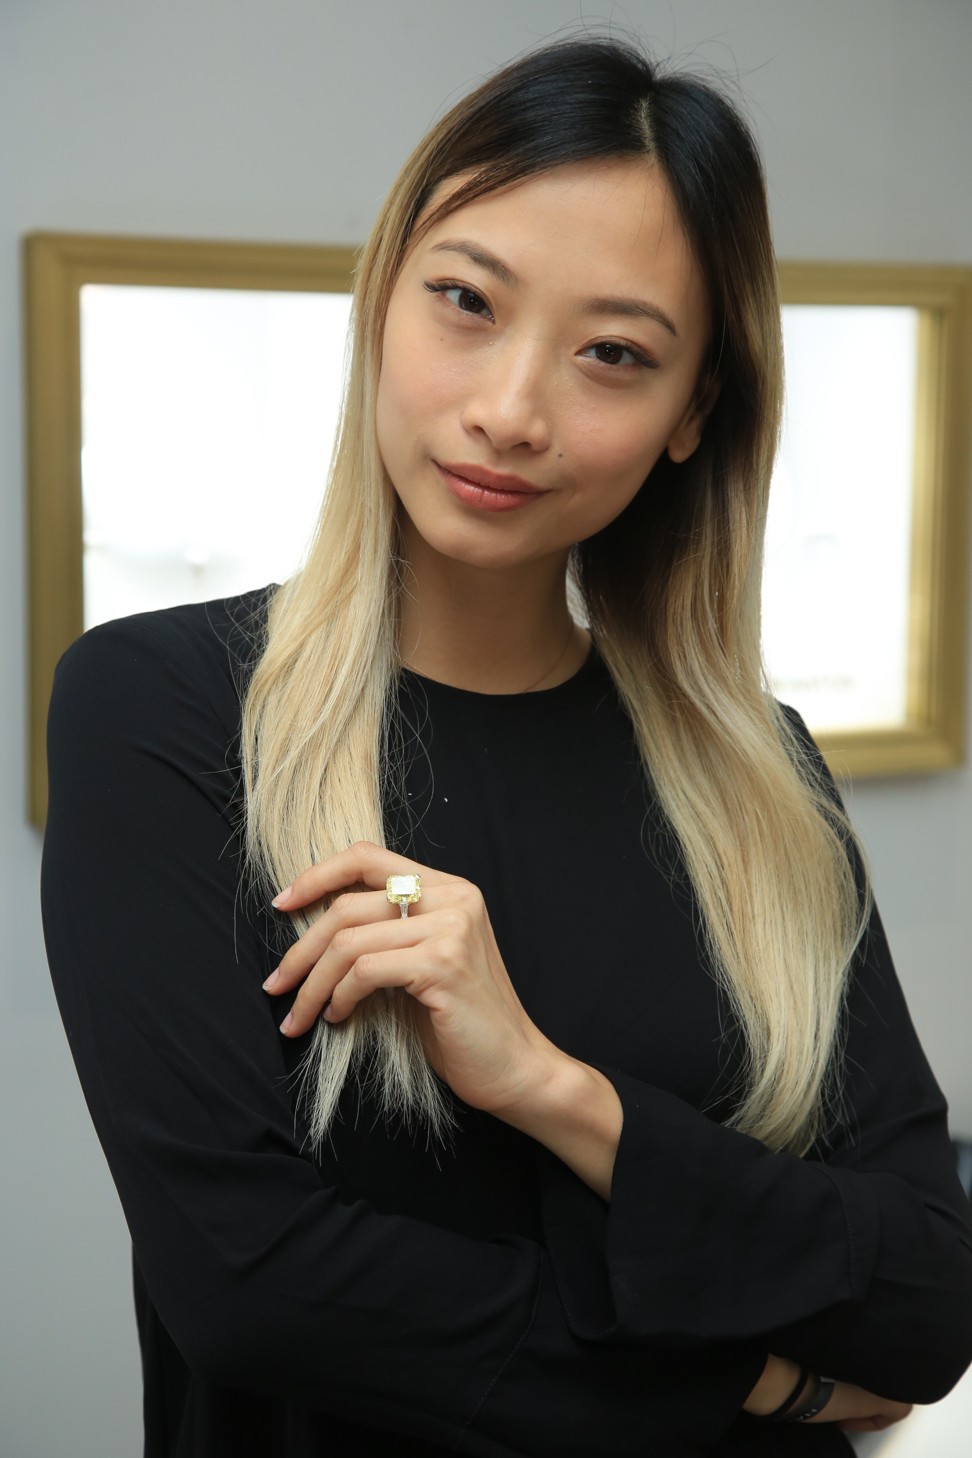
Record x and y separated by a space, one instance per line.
604 1131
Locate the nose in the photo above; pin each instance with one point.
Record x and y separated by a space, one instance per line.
509 396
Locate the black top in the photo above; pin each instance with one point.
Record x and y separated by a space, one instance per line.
393 1299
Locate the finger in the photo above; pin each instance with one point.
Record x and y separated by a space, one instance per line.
876 1424
350 946
364 864
865 1410
396 967
351 908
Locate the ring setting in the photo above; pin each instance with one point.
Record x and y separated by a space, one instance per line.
403 891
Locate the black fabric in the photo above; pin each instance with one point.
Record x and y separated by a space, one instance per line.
395 1299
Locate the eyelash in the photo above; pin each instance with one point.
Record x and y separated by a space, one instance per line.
636 354
450 286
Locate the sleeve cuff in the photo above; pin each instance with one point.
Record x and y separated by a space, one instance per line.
709 1236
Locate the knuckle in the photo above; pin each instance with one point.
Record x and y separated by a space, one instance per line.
456 923
363 968
343 939
342 906
469 897
451 950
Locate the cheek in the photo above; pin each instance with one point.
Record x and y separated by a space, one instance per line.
385 408
392 403
617 453
395 408
414 387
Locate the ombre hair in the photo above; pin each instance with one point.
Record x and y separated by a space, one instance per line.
671 590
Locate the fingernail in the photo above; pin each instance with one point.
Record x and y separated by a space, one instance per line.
285 1025
327 1015
271 979
281 897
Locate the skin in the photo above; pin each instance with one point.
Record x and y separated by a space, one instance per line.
519 375
503 351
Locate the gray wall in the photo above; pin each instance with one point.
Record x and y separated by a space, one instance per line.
286 120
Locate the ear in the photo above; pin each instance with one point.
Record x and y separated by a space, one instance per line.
689 431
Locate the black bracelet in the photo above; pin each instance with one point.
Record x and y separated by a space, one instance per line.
816 1400
778 1414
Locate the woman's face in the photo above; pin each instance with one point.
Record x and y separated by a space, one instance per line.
543 347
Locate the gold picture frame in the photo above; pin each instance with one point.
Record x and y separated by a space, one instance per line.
57 266
931 733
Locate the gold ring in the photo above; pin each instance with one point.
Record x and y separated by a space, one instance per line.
403 891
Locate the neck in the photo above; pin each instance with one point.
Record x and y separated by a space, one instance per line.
489 630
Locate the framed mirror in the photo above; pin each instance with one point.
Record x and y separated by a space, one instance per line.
865 584
182 398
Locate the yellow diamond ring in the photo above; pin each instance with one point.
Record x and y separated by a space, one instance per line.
403 891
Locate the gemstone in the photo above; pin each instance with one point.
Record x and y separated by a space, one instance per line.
403 890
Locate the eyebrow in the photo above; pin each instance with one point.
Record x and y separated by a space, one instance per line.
630 309
488 261
603 305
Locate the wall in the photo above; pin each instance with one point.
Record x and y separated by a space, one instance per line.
286 120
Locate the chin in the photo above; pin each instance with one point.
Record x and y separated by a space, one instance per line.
484 556
486 545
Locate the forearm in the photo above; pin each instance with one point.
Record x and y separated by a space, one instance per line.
575 1112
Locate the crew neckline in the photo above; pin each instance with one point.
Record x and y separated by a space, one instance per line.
585 671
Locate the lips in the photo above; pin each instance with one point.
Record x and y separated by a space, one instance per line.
487 490
491 480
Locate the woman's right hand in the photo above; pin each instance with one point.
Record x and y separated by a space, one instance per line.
852 1408
855 1410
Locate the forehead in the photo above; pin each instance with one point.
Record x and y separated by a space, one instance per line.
592 227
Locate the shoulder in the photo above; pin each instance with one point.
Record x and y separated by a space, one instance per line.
806 753
206 650
157 689
797 726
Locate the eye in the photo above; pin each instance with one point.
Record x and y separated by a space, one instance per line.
612 352
461 298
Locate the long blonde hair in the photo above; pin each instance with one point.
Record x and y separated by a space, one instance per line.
671 590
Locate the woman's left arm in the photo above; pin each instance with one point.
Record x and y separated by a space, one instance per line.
856 1260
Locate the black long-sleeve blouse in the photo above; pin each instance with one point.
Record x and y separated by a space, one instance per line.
391 1298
